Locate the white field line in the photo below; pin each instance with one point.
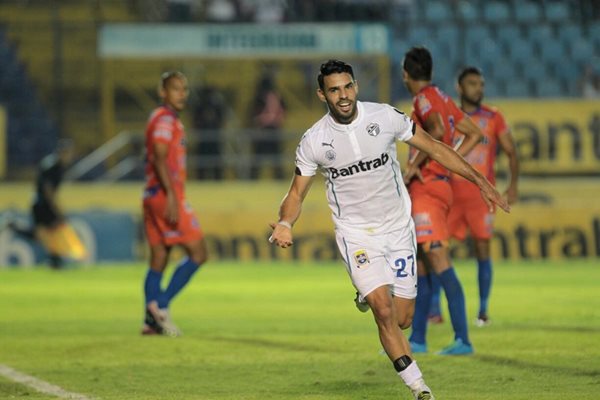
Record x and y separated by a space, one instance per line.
39 385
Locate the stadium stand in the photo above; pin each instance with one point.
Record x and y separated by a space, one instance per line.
49 65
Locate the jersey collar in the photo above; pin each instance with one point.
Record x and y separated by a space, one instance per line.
347 127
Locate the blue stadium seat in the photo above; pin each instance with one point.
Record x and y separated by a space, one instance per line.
437 11
496 11
539 33
468 12
517 88
569 33
582 50
552 51
557 11
477 32
527 12
548 88
491 51
506 34
567 70
420 34
594 34
448 31
498 71
521 50
492 88
533 69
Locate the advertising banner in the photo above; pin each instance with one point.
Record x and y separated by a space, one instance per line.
553 137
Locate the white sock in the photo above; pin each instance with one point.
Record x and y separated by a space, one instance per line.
412 376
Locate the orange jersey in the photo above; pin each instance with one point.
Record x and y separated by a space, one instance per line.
165 127
429 100
483 155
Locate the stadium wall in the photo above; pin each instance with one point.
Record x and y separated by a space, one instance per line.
556 219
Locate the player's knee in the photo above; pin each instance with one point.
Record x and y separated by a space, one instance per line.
199 256
383 313
158 256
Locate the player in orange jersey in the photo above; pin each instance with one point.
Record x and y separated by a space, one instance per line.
431 195
168 219
469 210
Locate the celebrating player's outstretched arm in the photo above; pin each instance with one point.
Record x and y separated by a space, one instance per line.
289 211
450 159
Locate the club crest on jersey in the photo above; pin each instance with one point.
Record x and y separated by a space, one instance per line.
330 155
373 129
361 258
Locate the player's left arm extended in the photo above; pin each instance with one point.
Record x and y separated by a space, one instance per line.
472 135
289 211
508 146
450 159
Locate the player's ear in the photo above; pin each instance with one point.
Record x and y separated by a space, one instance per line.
356 86
321 95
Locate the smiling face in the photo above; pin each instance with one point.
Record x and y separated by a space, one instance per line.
175 92
339 93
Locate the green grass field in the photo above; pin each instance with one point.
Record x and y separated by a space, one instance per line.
290 331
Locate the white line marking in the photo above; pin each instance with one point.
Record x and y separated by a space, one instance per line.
39 385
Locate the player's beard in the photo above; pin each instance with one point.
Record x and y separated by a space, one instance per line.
338 116
474 101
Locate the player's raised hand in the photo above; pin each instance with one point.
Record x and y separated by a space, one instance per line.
282 235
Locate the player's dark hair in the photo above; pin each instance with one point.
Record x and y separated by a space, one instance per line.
333 67
470 70
418 63
167 76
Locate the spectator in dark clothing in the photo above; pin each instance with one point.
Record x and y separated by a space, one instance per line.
268 115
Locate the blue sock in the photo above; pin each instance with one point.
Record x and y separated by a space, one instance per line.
180 278
152 285
436 290
456 304
484 276
422 303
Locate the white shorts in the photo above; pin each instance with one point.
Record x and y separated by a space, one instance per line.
379 260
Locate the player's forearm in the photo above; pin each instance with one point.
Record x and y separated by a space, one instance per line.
450 159
472 136
419 158
513 166
290 208
162 173
468 144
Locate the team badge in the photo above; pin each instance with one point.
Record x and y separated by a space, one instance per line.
361 258
373 129
330 155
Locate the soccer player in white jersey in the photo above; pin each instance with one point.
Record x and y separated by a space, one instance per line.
354 146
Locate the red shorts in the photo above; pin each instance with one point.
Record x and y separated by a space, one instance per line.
469 211
158 230
431 203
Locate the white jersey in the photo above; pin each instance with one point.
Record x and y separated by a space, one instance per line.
364 182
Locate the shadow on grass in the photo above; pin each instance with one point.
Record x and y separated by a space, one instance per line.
529 366
270 344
